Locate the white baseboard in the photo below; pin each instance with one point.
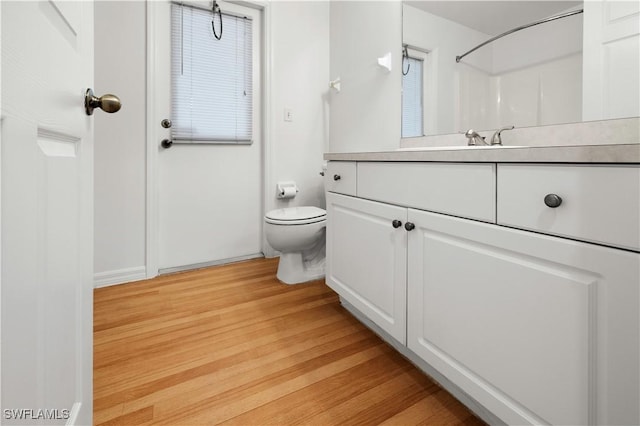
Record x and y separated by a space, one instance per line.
194 266
107 278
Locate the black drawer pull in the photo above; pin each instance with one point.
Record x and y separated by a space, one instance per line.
396 223
336 177
552 200
409 226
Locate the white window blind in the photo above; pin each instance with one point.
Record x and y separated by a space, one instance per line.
412 109
211 80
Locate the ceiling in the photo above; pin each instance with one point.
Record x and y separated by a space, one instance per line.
495 17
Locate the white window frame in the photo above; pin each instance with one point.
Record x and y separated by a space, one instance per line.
410 64
429 95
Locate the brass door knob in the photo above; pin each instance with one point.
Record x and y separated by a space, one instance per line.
107 103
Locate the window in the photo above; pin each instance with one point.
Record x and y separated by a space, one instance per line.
412 97
211 80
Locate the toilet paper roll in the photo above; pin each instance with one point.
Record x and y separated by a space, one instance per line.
288 192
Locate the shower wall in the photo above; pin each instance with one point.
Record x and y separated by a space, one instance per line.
541 94
529 78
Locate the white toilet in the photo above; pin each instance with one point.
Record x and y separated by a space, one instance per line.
298 233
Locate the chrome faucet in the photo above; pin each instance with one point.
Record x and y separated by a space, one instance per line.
496 139
474 138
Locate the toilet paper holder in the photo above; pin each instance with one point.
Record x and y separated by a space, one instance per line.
286 190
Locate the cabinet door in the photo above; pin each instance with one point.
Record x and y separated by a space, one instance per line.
536 328
367 259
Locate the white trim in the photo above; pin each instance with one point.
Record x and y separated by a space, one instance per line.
201 265
267 90
151 230
74 413
1 114
107 278
429 86
429 92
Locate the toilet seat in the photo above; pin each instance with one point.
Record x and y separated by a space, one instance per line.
295 216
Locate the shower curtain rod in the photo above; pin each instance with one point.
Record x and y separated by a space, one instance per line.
522 27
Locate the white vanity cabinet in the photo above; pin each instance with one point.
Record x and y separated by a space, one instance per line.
536 327
367 240
367 248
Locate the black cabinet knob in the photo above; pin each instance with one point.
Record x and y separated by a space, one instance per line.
336 177
396 223
409 226
552 200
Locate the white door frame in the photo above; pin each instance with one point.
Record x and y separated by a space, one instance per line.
151 243
153 128
0 215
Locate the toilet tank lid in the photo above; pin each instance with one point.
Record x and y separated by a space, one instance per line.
296 213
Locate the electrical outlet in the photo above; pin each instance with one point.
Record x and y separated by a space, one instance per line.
288 114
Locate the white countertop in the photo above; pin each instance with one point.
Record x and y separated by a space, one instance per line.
606 141
610 153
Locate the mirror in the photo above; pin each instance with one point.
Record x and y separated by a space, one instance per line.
542 75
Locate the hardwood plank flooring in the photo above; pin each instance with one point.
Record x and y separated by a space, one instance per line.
232 345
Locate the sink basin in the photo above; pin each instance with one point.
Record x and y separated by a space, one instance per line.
458 148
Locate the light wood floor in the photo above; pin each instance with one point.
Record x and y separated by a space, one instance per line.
232 345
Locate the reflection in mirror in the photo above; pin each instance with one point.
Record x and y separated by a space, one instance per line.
531 77
413 93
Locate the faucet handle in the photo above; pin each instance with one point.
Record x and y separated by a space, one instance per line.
496 139
474 138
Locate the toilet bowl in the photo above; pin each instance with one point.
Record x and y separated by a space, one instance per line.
298 233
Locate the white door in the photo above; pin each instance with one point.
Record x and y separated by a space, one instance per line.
367 259
611 60
209 194
47 213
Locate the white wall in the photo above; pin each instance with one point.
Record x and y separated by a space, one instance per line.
365 115
299 68
119 179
